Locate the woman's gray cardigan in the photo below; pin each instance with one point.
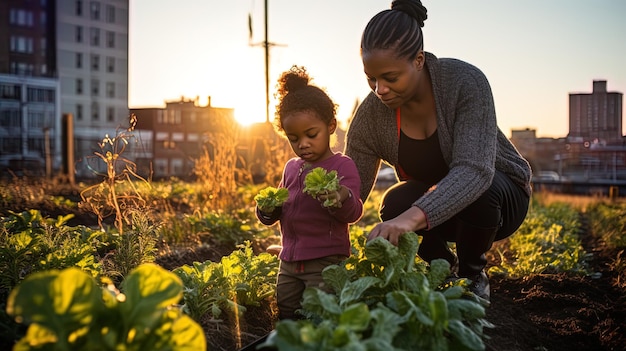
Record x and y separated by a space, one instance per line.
472 144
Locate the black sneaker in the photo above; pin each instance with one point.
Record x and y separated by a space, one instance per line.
480 286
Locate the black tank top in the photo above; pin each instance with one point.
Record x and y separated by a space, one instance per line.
421 159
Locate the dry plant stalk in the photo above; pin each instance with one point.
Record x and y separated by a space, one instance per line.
216 169
105 199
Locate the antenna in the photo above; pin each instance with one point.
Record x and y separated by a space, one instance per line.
266 45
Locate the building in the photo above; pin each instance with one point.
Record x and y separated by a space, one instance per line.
592 158
596 116
63 58
170 139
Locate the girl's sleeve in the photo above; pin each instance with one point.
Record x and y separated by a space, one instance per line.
352 208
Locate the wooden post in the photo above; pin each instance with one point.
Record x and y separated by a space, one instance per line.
613 192
68 147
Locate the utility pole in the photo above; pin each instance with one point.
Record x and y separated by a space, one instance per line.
266 46
267 69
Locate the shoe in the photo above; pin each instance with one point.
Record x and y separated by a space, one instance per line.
479 286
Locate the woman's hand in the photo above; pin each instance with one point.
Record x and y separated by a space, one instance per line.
410 220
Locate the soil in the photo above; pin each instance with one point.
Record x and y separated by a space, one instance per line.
537 313
560 311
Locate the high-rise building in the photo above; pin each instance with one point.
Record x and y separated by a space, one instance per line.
596 117
62 57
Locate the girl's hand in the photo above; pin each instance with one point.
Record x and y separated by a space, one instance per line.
409 221
334 199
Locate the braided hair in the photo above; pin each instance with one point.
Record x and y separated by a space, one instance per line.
399 28
295 93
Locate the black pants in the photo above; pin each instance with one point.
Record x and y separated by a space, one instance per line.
503 207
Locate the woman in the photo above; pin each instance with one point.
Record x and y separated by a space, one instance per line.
433 120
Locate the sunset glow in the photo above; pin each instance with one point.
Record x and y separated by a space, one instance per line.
204 48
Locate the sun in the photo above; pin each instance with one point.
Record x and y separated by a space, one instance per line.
250 113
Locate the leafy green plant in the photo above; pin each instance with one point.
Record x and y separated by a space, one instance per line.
238 280
207 290
252 277
547 242
382 300
270 198
30 243
608 222
67 310
135 247
222 228
319 181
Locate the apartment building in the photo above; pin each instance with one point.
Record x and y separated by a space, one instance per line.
61 58
596 116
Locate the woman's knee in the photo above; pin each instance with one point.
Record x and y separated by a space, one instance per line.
400 197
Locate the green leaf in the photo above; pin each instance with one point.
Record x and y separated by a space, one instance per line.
465 336
438 273
148 289
61 301
353 291
270 197
319 181
336 276
356 317
386 324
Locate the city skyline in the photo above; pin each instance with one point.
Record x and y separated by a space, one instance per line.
534 53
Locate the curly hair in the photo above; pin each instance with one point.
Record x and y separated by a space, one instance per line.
295 93
399 28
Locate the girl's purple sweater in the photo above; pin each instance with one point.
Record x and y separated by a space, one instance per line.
308 230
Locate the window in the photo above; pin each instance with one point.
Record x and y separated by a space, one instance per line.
10 92
36 120
79 112
79 86
110 39
79 7
110 64
95 36
21 18
39 95
177 166
95 111
35 144
10 118
43 46
94 9
110 89
22 44
21 68
79 60
110 14
43 20
79 34
11 145
162 136
110 114
95 62
160 167
95 87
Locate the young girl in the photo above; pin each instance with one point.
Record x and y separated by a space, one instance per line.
313 236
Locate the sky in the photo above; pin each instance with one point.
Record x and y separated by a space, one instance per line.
533 52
